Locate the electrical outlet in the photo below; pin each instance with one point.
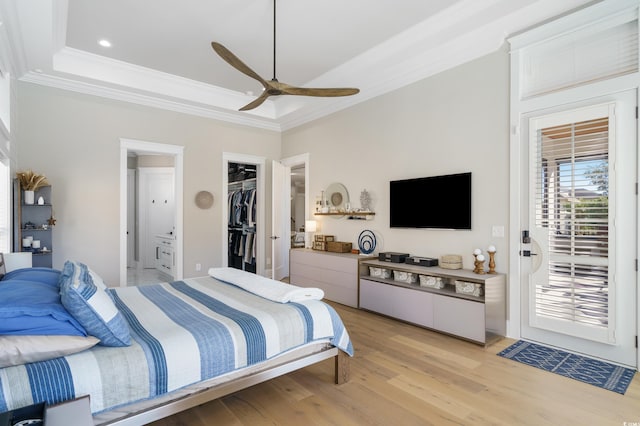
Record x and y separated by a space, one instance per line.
198 267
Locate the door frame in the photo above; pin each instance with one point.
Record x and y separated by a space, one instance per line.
132 228
259 162
143 147
615 343
519 109
521 105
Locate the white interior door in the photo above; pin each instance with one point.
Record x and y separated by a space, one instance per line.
157 208
580 245
280 226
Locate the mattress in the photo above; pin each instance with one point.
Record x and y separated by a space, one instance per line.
183 333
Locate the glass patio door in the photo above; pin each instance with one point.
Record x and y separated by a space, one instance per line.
580 293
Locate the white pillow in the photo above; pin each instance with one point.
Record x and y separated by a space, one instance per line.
16 350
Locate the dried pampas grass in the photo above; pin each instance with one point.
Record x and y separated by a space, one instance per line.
30 181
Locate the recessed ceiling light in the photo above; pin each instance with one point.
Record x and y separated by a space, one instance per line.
104 42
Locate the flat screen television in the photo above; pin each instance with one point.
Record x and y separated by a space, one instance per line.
439 202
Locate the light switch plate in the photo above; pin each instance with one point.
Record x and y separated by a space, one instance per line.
497 231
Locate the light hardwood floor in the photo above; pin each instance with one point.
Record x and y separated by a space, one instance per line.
406 375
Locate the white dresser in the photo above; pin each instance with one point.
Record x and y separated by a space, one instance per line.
337 274
165 254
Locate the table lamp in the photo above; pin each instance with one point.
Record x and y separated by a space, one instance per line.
310 226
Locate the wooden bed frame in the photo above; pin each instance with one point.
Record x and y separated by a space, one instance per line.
202 392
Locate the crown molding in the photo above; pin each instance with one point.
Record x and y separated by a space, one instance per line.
11 44
102 69
146 100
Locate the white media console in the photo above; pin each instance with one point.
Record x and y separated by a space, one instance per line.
481 319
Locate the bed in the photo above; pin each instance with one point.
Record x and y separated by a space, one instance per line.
185 343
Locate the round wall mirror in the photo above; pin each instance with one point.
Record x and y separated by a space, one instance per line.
204 199
337 197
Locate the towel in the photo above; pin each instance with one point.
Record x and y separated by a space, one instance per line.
266 287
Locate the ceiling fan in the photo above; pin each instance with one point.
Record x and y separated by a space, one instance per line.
273 87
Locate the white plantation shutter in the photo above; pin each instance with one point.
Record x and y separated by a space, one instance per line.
572 208
596 52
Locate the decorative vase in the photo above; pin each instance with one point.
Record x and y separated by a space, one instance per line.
29 197
324 204
365 201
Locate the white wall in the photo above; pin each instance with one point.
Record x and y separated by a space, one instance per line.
453 122
74 140
456 121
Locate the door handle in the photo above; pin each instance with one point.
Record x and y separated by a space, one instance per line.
274 237
536 251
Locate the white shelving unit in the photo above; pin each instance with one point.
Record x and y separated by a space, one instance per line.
33 220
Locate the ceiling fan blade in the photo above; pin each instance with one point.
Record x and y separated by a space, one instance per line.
257 102
233 60
309 91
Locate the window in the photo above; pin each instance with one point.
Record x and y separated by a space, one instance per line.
592 53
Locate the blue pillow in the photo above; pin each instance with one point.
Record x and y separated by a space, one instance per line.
92 306
39 274
34 308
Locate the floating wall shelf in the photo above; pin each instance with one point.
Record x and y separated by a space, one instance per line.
346 214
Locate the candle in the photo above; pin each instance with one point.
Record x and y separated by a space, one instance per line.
477 252
26 242
491 249
35 244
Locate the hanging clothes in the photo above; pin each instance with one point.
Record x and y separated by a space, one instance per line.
242 229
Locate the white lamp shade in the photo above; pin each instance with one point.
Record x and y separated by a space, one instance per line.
17 260
310 225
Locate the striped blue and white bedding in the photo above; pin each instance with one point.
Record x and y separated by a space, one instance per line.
182 333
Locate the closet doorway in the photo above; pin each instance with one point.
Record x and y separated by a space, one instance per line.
159 171
243 187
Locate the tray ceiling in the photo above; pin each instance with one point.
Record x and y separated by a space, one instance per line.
161 54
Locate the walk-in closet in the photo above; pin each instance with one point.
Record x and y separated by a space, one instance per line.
242 196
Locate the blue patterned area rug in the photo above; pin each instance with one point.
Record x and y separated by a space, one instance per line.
588 370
